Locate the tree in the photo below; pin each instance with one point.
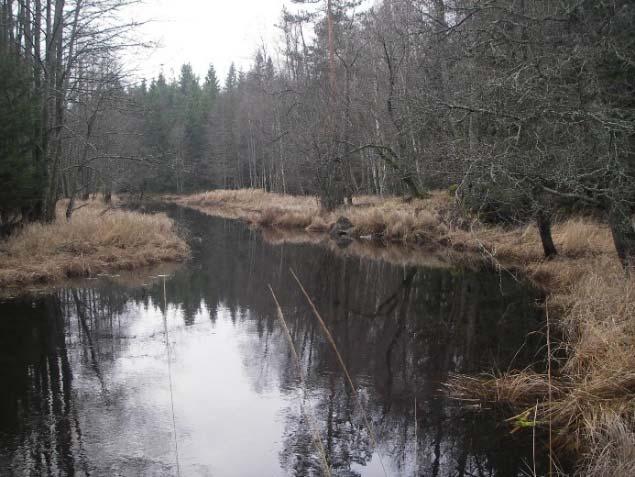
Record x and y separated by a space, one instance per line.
56 40
20 179
211 88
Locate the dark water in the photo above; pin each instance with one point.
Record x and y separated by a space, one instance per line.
88 386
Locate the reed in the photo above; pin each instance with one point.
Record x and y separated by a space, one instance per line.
340 360
317 442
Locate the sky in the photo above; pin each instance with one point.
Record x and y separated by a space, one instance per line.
202 32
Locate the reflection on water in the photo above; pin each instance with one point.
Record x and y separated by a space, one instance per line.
86 390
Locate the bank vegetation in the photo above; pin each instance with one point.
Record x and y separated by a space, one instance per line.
98 239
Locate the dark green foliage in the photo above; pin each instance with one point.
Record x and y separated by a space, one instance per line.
211 89
176 123
20 178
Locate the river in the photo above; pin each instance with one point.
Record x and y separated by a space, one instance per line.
191 374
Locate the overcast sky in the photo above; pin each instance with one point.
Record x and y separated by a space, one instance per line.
205 31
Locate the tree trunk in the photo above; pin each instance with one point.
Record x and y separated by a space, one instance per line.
621 223
108 189
70 207
86 179
331 184
54 82
543 220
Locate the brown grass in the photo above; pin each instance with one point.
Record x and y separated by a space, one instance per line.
254 205
93 242
591 406
434 222
392 218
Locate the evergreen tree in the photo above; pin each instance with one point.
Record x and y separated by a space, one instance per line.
21 180
211 87
231 81
188 82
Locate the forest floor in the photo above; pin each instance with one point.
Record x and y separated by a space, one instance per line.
98 239
586 396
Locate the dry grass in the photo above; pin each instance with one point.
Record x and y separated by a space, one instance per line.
392 218
591 406
434 222
254 205
613 450
92 243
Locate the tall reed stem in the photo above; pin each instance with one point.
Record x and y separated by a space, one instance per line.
169 356
329 338
310 416
550 393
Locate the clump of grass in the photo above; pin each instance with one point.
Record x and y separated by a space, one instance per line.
255 205
583 237
613 449
522 388
319 223
94 241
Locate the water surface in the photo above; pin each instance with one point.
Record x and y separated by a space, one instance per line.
193 374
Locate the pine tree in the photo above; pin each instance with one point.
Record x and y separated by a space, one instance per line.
211 87
20 179
231 81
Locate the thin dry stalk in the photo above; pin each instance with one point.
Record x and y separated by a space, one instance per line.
533 440
416 438
550 396
331 341
296 359
169 356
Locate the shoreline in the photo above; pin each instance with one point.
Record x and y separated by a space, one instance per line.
587 398
433 226
96 241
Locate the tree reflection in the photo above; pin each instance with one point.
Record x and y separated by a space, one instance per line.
400 330
36 402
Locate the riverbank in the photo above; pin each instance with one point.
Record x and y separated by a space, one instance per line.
97 240
589 396
435 223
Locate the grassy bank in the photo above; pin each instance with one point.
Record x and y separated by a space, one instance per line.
391 218
96 240
588 398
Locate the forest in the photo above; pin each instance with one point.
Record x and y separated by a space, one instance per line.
524 109
509 124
